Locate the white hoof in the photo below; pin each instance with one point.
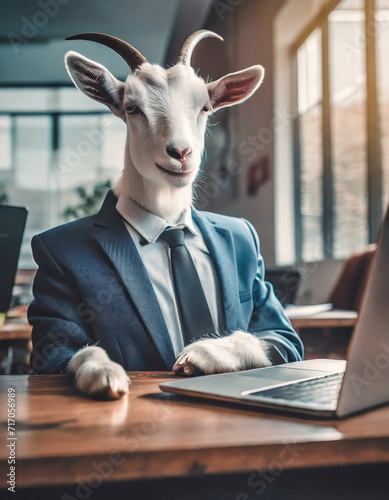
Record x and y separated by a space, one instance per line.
97 376
235 352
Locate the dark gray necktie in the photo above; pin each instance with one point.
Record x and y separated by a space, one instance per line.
196 319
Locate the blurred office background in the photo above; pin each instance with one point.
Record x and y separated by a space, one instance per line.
306 160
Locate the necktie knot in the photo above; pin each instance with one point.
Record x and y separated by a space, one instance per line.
174 237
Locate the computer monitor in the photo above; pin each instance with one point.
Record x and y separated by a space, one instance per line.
12 224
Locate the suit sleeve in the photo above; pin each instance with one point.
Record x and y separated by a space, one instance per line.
269 321
58 330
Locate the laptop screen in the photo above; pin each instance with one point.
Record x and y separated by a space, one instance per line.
12 224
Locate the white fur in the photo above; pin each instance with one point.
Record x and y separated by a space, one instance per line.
172 103
175 104
174 116
235 352
96 375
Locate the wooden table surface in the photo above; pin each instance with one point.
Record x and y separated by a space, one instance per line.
62 436
327 319
15 331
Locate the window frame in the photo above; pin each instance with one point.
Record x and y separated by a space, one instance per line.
54 117
374 171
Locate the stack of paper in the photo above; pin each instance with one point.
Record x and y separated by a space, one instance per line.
294 311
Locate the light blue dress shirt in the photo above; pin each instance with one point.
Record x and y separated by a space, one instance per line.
145 229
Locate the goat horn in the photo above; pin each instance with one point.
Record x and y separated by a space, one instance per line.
132 56
190 43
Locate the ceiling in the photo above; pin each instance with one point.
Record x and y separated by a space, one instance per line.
32 33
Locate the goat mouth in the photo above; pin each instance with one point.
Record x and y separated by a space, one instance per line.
176 173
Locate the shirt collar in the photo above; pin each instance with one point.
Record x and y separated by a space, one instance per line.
148 225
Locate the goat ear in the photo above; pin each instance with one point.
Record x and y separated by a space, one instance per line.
235 87
95 81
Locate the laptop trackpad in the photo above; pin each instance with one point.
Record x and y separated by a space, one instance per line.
269 377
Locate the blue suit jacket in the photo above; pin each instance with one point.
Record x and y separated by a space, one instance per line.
91 287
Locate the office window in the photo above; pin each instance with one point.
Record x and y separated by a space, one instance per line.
347 80
32 153
339 181
53 141
310 127
382 31
5 141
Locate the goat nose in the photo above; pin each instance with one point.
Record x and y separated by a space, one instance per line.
178 154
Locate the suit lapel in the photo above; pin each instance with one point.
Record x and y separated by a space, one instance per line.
114 239
221 247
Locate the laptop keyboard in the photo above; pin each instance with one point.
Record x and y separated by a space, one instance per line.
324 390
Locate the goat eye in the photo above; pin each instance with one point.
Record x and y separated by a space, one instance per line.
206 108
132 109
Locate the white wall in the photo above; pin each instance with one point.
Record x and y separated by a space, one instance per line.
248 32
263 32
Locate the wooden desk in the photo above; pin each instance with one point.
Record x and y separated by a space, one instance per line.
328 319
13 334
15 331
65 439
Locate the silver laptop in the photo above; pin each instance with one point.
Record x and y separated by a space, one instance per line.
322 387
